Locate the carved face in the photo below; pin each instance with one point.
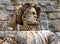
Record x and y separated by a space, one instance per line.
30 16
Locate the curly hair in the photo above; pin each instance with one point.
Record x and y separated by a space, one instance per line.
25 7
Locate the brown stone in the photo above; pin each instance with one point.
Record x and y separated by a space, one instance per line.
55 26
52 15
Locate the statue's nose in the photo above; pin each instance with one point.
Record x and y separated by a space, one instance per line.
35 15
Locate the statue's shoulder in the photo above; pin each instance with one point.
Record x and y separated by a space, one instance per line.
47 32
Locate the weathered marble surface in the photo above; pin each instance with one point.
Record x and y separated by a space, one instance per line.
49 17
30 37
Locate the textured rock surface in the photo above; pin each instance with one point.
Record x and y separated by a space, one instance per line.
49 16
30 37
50 11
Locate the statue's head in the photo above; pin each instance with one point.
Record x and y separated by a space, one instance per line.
29 13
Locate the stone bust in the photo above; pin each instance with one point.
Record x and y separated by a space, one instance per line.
29 14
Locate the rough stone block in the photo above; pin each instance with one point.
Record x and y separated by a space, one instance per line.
55 26
43 16
58 15
52 15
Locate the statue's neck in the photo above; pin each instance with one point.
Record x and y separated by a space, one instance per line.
29 27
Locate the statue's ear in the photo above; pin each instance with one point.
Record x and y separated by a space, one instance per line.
18 8
19 12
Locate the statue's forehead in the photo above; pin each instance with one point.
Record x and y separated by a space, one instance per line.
33 9
29 10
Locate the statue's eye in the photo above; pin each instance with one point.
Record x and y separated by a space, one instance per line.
33 13
24 16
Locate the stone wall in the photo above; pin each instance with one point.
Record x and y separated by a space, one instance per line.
50 12
49 16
